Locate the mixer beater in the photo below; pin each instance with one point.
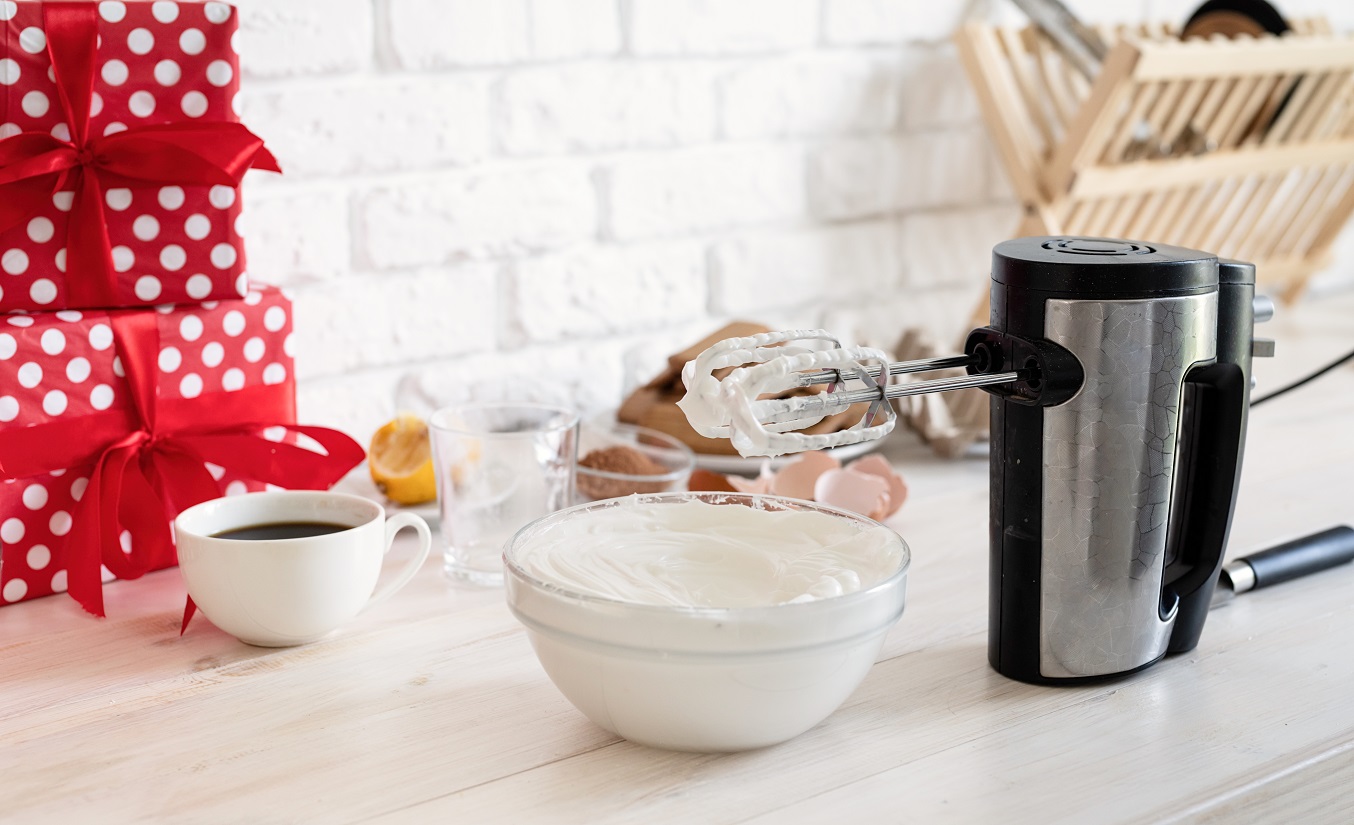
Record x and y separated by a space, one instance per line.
733 406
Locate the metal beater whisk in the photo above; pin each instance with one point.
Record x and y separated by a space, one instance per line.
733 407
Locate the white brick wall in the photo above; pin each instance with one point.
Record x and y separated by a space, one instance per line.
591 107
665 27
436 34
682 192
499 211
488 197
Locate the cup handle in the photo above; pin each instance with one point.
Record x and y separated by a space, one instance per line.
395 524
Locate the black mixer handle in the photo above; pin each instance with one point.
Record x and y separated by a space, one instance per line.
1211 430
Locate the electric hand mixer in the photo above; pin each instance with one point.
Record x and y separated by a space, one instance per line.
1120 376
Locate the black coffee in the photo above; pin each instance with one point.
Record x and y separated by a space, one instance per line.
282 530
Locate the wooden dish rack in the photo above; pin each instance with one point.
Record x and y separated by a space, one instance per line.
1240 147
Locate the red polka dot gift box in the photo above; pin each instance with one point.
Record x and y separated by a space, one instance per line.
120 154
112 421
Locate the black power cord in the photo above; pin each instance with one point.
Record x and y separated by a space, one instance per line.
1338 362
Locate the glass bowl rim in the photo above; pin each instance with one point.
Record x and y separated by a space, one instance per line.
697 612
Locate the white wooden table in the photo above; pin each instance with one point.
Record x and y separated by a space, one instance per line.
434 709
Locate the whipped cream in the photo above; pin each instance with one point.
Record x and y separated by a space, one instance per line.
696 554
728 407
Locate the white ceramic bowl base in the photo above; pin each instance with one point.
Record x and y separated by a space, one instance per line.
756 702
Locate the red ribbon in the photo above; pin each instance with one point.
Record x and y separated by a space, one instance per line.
35 165
148 461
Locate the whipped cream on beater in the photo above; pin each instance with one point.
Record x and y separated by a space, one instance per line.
697 554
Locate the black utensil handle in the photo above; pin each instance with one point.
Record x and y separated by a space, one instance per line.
1211 430
1303 556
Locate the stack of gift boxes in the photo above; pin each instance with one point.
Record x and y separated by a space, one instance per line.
139 372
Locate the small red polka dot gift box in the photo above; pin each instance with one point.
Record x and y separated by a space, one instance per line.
120 154
112 421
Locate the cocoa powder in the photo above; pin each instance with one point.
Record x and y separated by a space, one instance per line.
620 460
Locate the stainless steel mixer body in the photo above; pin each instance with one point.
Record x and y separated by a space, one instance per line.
1114 460
1108 468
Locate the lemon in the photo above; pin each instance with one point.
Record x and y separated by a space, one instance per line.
400 460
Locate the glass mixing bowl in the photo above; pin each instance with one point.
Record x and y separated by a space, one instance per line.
700 678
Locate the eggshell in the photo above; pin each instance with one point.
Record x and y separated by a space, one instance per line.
862 493
798 477
759 485
879 466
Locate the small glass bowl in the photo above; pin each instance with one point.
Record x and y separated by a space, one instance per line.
593 484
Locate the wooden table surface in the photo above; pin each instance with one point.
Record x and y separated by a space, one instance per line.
432 708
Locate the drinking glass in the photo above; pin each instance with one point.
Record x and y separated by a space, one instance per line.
498 467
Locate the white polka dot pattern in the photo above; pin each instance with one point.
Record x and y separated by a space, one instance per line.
191 385
32 40
77 370
197 227
172 257
60 523
192 42
123 258
199 286
53 341
213 354
147 288
146 228
168 72
141 104
155 63
41 230
114 73
171 197
35 496
170 359
165 12
190 328
194 104
14 261
218 12
54 403
12 531
112 10
118 199
140 41
35 104
219 72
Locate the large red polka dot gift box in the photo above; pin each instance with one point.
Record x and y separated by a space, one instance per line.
111 422
120 154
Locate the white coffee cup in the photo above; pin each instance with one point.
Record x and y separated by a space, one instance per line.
278 592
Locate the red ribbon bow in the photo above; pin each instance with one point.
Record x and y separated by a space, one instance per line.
35 165
149 462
